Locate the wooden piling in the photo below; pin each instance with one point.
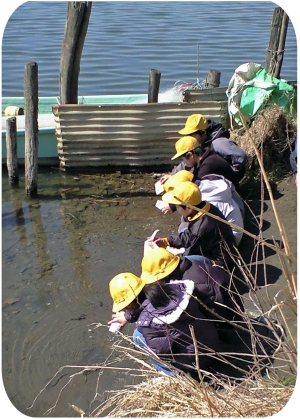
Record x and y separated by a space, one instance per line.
153 89
11 150
31 127
75 31
213 79
275 51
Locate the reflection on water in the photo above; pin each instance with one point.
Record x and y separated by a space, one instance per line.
59 251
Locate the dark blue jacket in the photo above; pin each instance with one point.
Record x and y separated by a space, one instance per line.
212 288
167 329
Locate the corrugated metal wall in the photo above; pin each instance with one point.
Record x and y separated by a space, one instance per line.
121 135
218 93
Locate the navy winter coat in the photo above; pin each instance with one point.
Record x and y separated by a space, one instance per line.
167 329
212 288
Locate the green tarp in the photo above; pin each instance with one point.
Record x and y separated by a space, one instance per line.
252 88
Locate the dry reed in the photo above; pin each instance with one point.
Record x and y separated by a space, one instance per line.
273 135
184 397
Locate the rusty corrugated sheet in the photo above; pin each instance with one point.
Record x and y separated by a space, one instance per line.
119 135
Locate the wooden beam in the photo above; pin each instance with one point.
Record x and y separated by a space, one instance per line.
11 150
275 51
75 31
153 88
31 98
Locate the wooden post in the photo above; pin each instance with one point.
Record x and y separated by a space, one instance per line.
75 31
31 99
153 89
276 46
213 78
11 150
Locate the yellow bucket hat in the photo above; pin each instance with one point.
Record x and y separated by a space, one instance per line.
185 144
157 264
186 191
181 176
124 288
194 123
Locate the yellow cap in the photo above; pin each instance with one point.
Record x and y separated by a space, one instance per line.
157 264
124 288
181 176
186 191
194 123
185 144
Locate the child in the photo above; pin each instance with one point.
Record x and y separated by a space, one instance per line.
126 292
211 283
205 237
217 191
170 312
211 134
203 160
163 325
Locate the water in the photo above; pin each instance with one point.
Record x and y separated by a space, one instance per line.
60 250
127 39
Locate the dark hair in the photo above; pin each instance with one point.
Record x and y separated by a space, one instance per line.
139 299
199 151
159 294
185 155
200 132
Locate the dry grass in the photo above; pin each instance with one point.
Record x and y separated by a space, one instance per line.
273 134
184 397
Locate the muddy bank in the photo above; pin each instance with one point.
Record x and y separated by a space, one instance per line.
58 253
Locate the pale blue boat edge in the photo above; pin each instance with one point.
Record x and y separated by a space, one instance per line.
46 102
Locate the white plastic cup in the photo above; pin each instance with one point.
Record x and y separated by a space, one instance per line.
115 327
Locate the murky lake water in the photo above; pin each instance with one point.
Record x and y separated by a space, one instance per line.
59 252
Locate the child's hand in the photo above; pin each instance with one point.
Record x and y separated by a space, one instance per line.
166 209
164 178
118 317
